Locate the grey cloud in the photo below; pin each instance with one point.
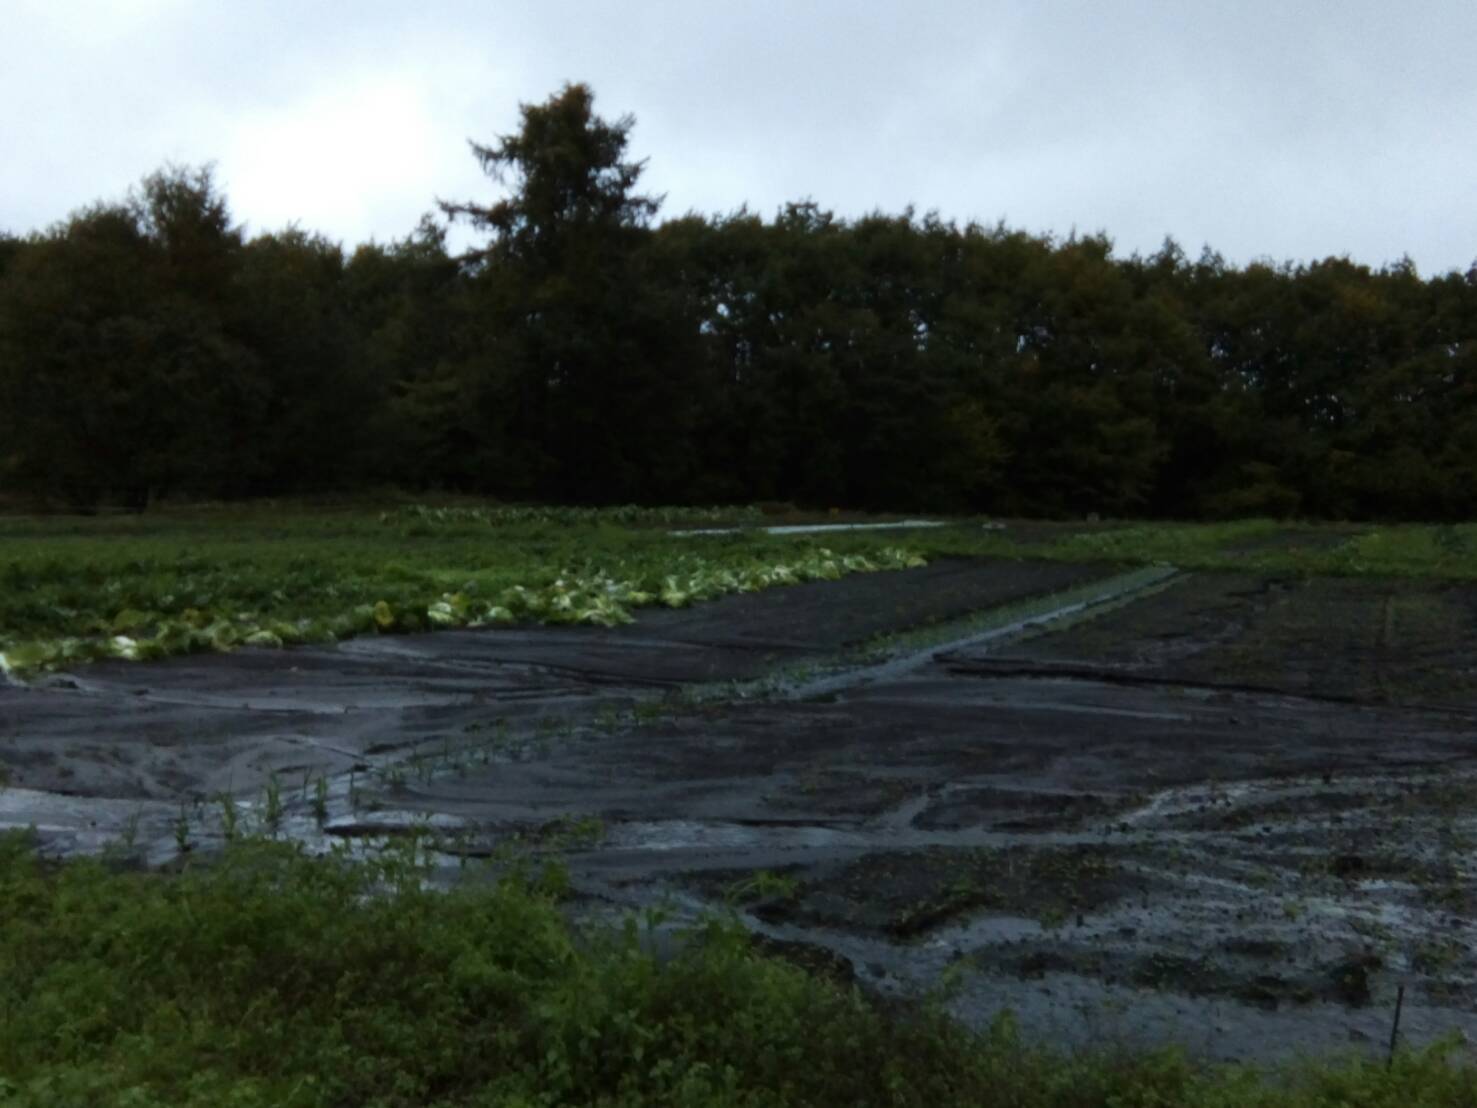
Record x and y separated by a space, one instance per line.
1287 130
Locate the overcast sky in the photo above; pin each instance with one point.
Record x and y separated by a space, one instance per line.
1292 129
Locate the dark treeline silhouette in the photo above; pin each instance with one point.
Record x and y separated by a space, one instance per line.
589 354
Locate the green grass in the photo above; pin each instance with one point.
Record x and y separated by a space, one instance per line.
270 978
1437 552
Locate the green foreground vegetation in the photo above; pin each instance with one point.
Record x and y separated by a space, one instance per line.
270 978
175 581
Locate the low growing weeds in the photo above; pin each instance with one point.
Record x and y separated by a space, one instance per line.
1439 552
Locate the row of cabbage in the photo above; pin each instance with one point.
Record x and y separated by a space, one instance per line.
627 515
597 598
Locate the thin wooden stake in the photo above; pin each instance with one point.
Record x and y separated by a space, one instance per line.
1395 1027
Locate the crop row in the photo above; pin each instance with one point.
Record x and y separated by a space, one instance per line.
598 598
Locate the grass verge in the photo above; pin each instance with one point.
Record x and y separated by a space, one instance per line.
1438 552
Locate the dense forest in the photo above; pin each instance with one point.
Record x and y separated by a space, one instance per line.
589 353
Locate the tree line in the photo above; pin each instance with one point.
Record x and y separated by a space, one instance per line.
588 353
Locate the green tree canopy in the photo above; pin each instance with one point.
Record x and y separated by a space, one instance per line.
582 369
584 352
118 376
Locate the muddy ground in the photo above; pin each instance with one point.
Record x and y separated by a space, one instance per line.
1226 811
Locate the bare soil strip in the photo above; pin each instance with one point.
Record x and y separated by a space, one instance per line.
1359 640
190 729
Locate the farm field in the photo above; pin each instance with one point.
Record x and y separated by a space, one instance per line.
1214 786
186 580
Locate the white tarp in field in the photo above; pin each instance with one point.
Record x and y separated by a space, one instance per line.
802 528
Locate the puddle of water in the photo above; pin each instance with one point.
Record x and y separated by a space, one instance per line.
389 822
678 834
